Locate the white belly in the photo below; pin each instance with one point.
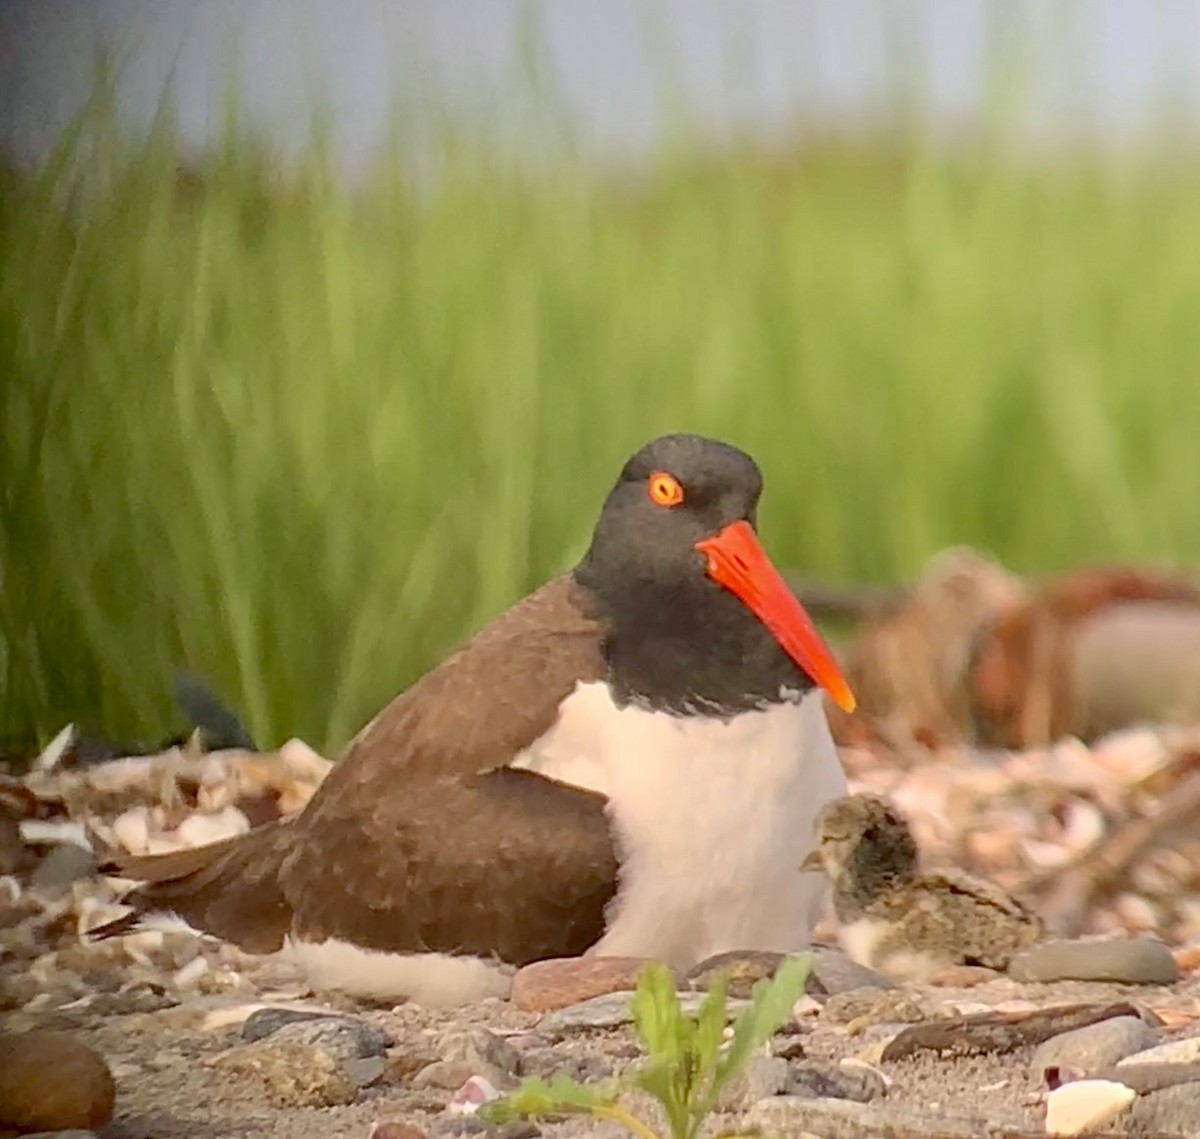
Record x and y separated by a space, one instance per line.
712 820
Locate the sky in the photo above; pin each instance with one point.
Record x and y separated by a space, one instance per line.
619 67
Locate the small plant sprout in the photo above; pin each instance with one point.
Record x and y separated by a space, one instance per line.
688 1064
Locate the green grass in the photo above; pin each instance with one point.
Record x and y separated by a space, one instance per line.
303 439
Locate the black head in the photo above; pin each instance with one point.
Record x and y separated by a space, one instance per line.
699 620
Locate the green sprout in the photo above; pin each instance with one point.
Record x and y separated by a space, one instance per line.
688 1062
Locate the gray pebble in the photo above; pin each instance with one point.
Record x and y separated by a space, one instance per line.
262 1022
480 1047
1121 960
452 1074
344 1038
612 1010
66 862
834 972
879 1005
815 1081
763 1076
1184 1051
1093 1047
1172 1111
364 1072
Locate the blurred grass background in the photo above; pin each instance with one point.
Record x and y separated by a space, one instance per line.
301 436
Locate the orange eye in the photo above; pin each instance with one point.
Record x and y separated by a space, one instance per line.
664 489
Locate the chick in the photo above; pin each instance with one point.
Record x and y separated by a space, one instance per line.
895 919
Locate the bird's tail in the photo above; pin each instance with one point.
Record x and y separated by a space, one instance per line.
229 889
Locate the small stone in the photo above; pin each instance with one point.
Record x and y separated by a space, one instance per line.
1183 1051
1085 1105
453 1074
51 1082
744 968
1169 1111
612 1011
482 1048
65 863
762 1076
344 1038
403 1065
962 976
264 1021
550 1062
366 1071
558 982
833 973
873 1005
1120 960
290 1073
396 1131
828 1081
1094 1046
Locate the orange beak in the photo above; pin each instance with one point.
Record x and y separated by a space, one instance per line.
738 562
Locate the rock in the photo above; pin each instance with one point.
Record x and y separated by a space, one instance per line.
1170 1111
1085 1105
291 1073
482 1048
396 1131
344 1038
1183 1051
744 968
833 973
264 1021
962 976
1121 960
763 1076
51 1082
797 1115
65 863
453 1074
364 1072
873 1005
561 981
828 1081
1094 1046
612 1011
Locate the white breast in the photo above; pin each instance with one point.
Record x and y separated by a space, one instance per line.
712 820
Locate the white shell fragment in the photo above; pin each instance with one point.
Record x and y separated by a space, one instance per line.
1085 1104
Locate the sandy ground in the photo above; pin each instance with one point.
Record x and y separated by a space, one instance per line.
168 1090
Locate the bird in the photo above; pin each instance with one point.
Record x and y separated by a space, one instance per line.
896 919
627 762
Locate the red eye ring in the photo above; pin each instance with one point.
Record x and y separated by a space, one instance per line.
664 489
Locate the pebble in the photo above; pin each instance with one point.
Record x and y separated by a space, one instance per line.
291 1073
263 1021
1119 960
559 982
1170 1111
366 1071
1085 1105
481 1047
873 1004
1094 1046
743 967
833 973
1183 1051
762 1076
612 1011
65 863
861 1083
474 1093
52 1082
796 1115
344 1038
453 1074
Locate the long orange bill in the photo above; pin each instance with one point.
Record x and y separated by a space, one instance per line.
737 561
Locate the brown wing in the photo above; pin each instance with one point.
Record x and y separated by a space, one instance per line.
421 837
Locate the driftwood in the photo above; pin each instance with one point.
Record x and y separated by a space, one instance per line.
1000 1031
